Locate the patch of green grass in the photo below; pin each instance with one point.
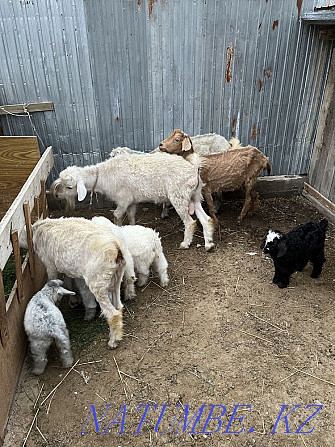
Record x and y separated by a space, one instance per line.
82 333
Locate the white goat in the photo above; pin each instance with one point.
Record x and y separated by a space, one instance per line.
44 323
124 150
81 249
208 143
205 144
132 179
145 248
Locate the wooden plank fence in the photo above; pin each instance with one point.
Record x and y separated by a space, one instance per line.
31 276
320 187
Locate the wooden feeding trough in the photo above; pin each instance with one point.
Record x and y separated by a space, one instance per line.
23 198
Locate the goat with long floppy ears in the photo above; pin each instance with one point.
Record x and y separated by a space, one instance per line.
131 179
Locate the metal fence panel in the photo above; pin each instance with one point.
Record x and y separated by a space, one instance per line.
126 72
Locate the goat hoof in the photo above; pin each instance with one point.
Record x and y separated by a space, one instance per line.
184 245
209 247
73 302
281 285
142 282
112 344
38 372
165 215
68 364
129 296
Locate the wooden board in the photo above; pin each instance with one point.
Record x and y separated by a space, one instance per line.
310 191
14 218
319 17
13 354
18 157
321 174
30 107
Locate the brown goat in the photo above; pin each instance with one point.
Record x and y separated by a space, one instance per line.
226 171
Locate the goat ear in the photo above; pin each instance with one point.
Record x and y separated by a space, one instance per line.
186 145
62 291
282 248
81 190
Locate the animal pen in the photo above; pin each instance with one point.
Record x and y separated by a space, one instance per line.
91 75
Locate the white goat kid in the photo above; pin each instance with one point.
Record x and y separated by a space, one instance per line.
44 323
132 179
145 247
81 249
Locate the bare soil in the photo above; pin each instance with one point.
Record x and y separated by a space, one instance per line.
220 334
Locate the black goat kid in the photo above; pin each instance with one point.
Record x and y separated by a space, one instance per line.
291 251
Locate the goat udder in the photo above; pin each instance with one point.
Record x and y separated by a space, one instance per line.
120 258
191 209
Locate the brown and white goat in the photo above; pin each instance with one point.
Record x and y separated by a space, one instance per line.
227 171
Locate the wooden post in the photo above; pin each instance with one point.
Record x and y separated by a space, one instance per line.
29 232
3 315
36 207
18 266
44 200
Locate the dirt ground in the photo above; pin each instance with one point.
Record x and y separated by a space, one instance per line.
220 334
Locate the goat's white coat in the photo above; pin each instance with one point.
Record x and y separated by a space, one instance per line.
209 143
124 150
44 323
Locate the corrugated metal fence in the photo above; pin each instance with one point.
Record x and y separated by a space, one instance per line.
126 72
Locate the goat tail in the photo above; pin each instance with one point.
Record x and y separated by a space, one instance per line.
196 195
268 167
156 244
324 224
235 143
109 248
